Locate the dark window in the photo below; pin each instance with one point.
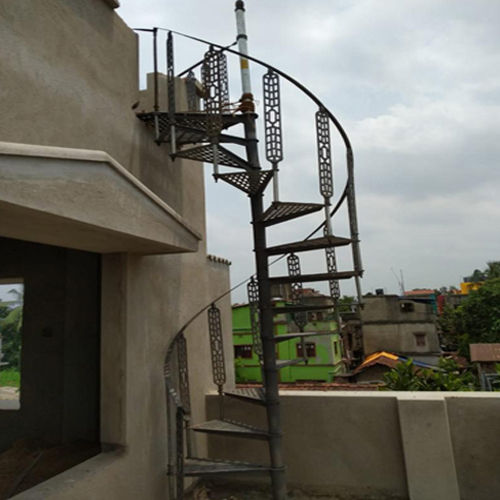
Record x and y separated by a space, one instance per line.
243 351
407 307
420 339
310 350
336 348
11 313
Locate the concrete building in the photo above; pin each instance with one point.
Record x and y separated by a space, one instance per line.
108 237
400 325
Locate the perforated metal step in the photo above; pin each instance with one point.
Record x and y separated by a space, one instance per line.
193 120
313 244
206 154
228 427
306 278
281 211
255 395
291 336
251 183
283 363
301 308
206 467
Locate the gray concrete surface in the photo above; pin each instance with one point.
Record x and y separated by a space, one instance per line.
379 445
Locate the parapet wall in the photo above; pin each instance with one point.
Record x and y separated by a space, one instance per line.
380 445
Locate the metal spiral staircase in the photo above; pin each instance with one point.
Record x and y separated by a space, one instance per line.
200 135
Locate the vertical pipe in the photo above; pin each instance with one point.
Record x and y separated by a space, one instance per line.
242 39
271 376
155 82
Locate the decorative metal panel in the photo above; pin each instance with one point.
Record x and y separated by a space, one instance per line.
213 92
331 264
324 154
182 361
272 117
170 77
293 264
253 302
216 346
191 92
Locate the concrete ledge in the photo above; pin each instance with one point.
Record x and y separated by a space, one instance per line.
114 4
86 200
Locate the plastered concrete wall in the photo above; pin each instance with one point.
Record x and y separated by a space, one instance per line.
399 337
379 445
69 71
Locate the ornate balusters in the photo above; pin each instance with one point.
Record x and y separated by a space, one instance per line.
191 92
272 124
253 303
300 318
215 83
217 352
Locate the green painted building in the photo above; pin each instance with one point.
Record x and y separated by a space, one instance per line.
324 351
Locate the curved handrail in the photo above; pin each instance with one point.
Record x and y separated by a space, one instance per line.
348 193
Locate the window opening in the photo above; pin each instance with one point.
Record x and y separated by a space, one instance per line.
243 351
310 350
11 323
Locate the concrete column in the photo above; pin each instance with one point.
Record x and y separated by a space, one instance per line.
428 452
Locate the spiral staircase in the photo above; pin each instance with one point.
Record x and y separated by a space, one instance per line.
204 135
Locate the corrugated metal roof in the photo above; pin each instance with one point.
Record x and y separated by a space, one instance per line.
485 352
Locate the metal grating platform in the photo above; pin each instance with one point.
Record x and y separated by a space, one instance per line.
280 211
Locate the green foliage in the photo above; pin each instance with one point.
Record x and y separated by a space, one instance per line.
408 377
10 378
11 322
345 303
477 319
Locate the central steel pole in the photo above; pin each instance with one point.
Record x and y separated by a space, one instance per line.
271 376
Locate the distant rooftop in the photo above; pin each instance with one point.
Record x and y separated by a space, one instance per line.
485 352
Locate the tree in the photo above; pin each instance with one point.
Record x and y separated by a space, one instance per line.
477 319
448 377
11 322
493 270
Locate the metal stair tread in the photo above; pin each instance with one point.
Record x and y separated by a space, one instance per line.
209 467
283 363
304 278
301 308
250 183
312 244
290 336
231 427
205 154
281 211
256 395
192 119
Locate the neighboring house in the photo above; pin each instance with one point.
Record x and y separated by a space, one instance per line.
399 325
486 357
424 295
108 236
376 365
324 351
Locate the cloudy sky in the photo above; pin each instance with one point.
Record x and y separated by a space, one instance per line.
416 85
